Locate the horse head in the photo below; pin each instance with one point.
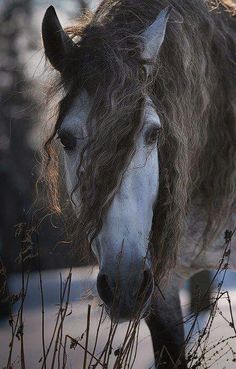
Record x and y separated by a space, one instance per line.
121 241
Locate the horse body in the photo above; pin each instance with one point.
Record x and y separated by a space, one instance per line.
147 122
194 258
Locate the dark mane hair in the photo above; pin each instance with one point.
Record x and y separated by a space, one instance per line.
193 88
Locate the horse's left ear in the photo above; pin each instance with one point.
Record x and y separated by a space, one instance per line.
154 35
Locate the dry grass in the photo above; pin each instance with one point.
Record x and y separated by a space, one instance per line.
201 352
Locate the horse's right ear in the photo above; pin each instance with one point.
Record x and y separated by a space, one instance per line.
154 35
57 44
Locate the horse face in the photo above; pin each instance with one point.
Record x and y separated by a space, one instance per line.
125 281
125 278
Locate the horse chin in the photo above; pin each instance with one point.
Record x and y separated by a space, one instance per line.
118 317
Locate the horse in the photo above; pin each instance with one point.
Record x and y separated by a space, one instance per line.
146 127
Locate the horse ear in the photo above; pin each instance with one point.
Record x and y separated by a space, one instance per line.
154 35
57 43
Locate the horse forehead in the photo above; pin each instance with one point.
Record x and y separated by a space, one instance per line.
78 112
150 113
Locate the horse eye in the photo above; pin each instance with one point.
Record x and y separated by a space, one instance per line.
152 135
68 141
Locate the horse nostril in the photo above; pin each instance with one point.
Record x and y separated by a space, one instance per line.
146 287
104 289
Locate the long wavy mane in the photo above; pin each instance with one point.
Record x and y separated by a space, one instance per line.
193 88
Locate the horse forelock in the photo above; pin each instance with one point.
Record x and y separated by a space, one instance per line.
190 94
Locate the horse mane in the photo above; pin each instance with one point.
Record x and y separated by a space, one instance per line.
193 88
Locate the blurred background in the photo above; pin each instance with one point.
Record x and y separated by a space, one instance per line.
22 107
22 115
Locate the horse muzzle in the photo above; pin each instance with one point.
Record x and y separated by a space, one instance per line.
126 298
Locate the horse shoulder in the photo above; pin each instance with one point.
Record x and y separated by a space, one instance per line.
194 256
